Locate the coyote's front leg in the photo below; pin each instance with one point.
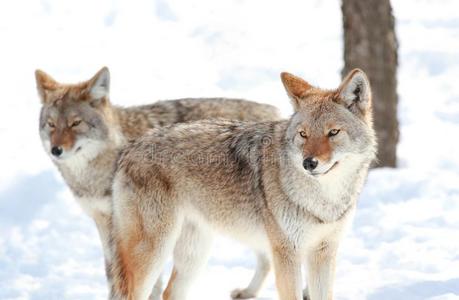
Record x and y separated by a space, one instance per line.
103 223
287 267
321 271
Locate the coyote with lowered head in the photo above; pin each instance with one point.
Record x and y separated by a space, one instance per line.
286 188
83 133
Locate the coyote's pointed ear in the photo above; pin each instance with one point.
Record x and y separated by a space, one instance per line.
99 84
355 92
296 88
45 83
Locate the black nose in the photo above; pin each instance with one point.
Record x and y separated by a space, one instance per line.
310 163
56 151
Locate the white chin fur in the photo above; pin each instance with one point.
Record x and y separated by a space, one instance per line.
81 153
324 169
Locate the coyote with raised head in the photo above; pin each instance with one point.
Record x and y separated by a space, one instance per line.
83 133
285 188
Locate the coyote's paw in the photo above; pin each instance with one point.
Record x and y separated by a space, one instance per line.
242 294
306 294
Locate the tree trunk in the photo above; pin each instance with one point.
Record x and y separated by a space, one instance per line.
371 45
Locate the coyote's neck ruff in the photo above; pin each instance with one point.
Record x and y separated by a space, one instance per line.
329 195
285 188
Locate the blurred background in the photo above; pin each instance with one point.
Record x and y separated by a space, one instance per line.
403 243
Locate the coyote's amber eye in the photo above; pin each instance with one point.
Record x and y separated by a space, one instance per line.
76 123
51 124
333 132
303 134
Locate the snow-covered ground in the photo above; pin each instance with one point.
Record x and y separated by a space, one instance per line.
404 243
